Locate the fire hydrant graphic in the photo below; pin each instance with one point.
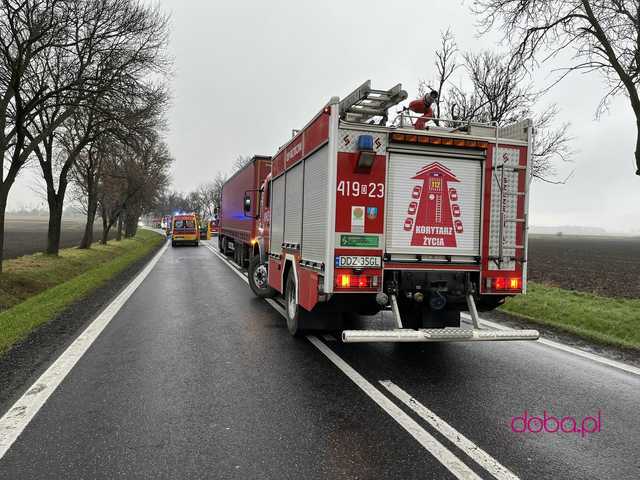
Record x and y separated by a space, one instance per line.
436 221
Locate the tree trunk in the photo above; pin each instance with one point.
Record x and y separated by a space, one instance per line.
4 193
106 226
131 225
92 207
637 152
55 224
119 234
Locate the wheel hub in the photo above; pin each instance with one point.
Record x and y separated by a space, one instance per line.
260 276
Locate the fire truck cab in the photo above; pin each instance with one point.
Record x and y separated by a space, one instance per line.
361 214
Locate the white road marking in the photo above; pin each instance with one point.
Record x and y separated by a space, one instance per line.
481 457
433 446
566 348
229 263
13 423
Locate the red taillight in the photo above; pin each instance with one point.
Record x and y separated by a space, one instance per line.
346 280
504 283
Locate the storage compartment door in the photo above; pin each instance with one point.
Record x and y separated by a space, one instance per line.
433 205
314 230
293 206
277 215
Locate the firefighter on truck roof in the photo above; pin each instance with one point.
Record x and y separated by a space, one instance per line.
423 105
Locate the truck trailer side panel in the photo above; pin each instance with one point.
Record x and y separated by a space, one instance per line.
235 224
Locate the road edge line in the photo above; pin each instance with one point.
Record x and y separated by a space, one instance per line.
18 417
569 349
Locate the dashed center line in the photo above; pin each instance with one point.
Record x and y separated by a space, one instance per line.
481 457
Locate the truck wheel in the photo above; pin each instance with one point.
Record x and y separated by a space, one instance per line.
295 314
258 278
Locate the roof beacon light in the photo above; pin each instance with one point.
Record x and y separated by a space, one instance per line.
367 154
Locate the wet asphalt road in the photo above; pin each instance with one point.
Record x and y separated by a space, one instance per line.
196 378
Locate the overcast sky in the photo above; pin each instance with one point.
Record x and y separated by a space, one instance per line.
249 71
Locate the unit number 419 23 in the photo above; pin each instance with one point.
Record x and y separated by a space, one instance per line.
347 188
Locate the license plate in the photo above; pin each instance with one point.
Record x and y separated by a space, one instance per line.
358 261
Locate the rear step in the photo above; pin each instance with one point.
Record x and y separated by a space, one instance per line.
449 334
437 335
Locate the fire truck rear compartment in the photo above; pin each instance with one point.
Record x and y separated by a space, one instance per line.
434 203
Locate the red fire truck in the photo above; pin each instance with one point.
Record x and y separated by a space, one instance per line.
237 226
361 214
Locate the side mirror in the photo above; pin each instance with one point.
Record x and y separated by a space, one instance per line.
246 204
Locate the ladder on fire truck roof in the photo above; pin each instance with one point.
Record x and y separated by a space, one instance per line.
365 103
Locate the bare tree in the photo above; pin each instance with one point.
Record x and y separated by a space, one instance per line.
604 36
446 64
57 55
169 202
495 89
29 30
240 162
86 177
141 114
134 179
216 192
118 43
202 200
502 91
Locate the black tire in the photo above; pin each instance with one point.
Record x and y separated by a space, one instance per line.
197 244
258 280
173 244
295 313
224 246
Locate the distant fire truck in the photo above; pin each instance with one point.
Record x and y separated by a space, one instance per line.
360 214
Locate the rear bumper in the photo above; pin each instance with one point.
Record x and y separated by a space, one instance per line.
437 335
185 238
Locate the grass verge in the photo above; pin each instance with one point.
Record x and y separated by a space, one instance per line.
36 288
610 321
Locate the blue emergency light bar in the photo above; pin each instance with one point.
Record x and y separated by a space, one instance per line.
365 142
